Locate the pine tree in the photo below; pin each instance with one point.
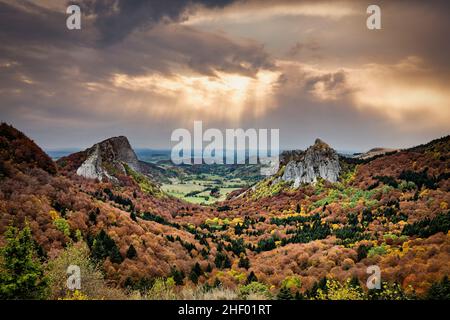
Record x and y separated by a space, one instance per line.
252 278
197 269
104 246
196 272
222 261
115 255
178 276
440 290
322 285
244 262
354 282
299 296
131 252
21 274
92 217
362 252
193 277
284 294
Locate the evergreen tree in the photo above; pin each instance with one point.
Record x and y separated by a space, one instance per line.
197 269
362 252
284 294
115 255
21 274
131 252
354 282
244 262
322 285
103 246
178 276
299 296
222 261
440 290
193 277
92 217
252 278
196 272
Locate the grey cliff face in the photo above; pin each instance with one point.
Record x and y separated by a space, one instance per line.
108 155
318 161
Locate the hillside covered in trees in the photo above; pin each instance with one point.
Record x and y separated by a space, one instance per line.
272 241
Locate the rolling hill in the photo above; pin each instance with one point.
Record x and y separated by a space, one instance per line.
391 211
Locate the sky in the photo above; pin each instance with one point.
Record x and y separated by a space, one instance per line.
311 69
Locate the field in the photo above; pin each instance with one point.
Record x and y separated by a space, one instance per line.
203 188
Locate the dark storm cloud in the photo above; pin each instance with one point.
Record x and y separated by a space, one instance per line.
53 77
58 85
117 18
25 23
329 81
36 39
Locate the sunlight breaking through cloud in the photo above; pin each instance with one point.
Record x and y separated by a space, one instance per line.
226 94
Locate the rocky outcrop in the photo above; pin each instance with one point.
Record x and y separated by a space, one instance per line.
106 159
318 161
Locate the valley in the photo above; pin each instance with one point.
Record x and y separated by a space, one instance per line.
138 231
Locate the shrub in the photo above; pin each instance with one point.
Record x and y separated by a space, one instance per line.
377 251
338 291
440 290
254 289
200 293
62 225
93 285
162 289
21 274
388 291
292 282
407 185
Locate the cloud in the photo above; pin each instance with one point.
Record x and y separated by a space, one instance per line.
401 91
310 68
299 48
263 10
116 19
